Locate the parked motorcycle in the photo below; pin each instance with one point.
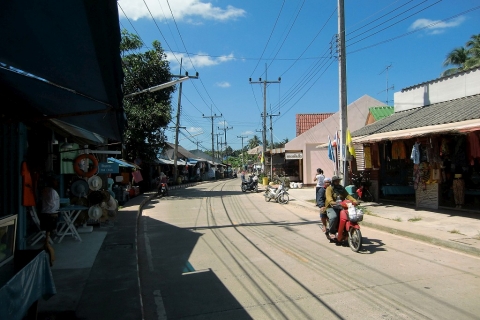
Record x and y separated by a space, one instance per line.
348 227
279 193
250 185
162 190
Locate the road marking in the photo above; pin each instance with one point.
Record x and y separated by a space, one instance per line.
148 248
162 315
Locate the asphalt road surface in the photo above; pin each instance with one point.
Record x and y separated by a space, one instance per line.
214 252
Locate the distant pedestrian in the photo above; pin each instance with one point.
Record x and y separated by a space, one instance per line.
319 178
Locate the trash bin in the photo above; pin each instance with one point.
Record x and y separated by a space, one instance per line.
265 181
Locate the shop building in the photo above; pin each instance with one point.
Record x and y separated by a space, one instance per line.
428 151
302 157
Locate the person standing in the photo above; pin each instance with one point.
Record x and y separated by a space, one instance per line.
319 178
49 214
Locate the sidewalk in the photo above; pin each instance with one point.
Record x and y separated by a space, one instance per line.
453 229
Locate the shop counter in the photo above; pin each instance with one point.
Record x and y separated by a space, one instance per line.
397 190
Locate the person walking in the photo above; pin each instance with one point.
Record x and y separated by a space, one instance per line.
49 214
319 178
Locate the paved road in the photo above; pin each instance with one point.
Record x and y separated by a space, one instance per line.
213 252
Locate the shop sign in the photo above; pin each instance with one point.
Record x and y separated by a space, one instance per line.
294 156
106 167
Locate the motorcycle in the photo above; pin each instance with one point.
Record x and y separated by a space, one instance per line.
251 185
348 227
279 194
162 190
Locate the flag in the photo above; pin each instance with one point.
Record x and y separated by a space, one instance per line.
351 150
334 142
262 160
331 154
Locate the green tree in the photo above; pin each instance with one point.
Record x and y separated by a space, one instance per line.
254 142
147 113
463 58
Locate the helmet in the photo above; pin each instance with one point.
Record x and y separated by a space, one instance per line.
336 178
327 180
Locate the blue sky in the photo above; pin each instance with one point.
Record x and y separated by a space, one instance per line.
229 41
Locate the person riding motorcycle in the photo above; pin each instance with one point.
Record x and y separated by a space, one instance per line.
321 202
332 193
251 180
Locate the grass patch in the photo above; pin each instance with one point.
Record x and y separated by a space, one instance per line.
398 219
366 211
456 232
414 219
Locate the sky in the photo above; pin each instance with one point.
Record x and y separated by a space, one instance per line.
291 45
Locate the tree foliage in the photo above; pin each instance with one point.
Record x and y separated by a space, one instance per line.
147 113
463 58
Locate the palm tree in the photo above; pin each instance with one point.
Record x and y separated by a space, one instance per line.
458 58
473 47
254 142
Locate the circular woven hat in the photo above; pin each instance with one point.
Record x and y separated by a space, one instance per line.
79 188
95 183
95 212
106 195
112 204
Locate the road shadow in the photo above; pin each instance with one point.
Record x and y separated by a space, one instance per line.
186 292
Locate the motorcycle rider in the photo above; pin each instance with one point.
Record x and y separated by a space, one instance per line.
332 193
321 202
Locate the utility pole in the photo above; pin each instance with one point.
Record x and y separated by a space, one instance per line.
177 126
225 129
198 142
271 141
264 134
243 153
342 72
217 134
212 117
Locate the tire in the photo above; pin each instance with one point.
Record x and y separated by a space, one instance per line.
284 198
244 188
256 188
267 198
355 239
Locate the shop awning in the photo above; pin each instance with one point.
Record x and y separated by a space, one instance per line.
61 60
123 163
68 129
456 127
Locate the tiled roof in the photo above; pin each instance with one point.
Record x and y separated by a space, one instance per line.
307 121
379 113
467 108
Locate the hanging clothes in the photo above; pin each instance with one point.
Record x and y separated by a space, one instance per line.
67 156
367 156
415 156
473 139
398 150
387 150
375 156
28 197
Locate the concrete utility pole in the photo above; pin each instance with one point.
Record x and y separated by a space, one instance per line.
218 134
342 72
225 129
243 153
177 126
212 117
198 142
271 143
264 134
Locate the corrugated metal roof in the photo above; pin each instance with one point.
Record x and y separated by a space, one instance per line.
309 120
379 113
467 108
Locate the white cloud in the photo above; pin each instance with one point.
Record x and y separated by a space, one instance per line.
193 130
223 84
223 124
248 133
185 10
436 26
200 60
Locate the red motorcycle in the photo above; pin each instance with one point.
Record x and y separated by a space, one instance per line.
348 227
